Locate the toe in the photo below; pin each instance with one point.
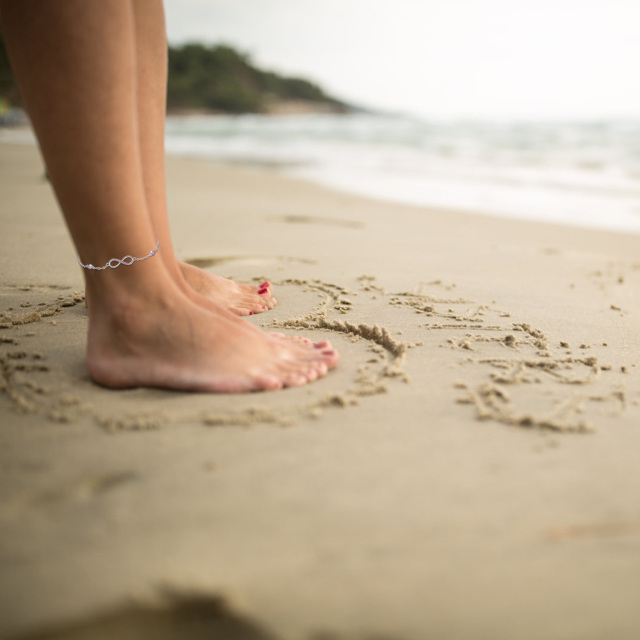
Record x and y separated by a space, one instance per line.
268 383
330 357
295 380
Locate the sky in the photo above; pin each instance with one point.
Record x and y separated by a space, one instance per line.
444 59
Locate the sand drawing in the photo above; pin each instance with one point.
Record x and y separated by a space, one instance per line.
509 371
32 383
518 374
24 378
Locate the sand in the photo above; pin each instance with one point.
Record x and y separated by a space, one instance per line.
470 469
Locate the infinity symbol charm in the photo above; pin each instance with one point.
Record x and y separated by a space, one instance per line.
127 261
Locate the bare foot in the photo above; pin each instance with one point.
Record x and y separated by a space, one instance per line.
172 342
241 299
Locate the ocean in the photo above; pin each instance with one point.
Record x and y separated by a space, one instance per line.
580 174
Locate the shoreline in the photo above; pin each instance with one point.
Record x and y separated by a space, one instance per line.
466 471
568 205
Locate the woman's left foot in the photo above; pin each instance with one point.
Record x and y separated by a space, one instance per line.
241 299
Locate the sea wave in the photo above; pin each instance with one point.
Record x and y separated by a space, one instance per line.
584 174
581 174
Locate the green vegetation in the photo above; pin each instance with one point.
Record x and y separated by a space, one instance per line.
8 89
219 78
213 78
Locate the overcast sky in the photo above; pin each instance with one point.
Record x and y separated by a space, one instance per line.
440 58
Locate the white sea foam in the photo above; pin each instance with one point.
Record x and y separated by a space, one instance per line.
583 174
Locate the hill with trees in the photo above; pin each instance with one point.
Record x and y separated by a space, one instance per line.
221 79
217 79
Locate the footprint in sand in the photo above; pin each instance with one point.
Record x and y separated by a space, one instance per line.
326 222
251 261
79 491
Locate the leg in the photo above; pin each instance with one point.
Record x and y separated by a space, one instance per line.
75 62
151 77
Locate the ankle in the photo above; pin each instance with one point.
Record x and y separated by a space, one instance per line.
129 290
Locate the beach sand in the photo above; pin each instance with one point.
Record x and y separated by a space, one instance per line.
469 470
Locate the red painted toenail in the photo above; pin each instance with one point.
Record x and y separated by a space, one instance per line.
328 352
265 284
250 313
261 291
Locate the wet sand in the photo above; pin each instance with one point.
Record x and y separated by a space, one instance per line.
468 471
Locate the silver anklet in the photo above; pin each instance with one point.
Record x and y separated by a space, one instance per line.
127 260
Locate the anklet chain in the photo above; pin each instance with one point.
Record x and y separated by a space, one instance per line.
127 261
